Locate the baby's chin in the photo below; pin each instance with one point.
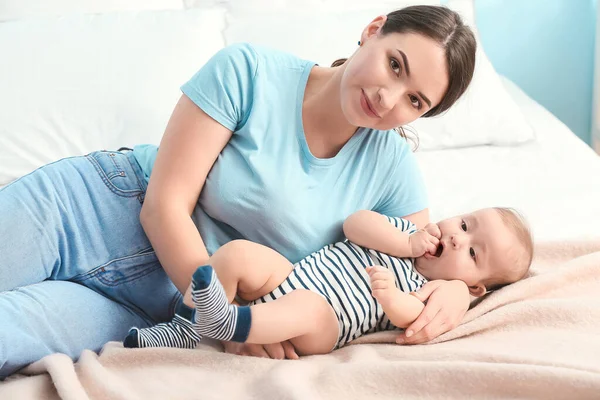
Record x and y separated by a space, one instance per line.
423 266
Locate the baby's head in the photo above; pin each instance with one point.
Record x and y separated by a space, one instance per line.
486 249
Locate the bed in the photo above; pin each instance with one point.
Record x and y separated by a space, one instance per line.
534 339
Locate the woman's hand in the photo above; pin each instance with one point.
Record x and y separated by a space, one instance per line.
447 303
277 351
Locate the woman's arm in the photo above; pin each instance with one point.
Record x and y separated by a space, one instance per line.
188 150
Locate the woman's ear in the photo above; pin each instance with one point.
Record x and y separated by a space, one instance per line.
477 290
373 28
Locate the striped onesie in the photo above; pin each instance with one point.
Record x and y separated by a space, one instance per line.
337 272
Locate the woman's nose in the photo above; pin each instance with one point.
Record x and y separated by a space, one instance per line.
389 97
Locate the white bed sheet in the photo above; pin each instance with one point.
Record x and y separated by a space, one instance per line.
554 181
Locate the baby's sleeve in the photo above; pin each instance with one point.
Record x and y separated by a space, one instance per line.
403 224
223 88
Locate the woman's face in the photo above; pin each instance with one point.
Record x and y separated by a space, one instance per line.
392 80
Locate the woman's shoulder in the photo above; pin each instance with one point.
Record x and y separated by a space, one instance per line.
264 56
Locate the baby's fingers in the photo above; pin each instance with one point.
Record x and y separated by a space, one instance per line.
434 230
383 276
379 284
431 248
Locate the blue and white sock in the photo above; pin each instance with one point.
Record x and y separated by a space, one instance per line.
214 317
178 333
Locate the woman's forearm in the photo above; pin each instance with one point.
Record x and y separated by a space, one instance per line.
177 242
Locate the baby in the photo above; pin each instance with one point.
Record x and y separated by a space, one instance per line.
346 289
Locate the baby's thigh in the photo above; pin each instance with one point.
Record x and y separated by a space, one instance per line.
250 269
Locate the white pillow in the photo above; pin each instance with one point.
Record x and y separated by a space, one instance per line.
311 6
486 115
15 9
322 34
75 84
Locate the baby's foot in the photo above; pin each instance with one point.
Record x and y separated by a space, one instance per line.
214 317
178 333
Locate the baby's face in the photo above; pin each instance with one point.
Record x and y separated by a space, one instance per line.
473 248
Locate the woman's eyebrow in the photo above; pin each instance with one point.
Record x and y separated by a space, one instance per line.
406 66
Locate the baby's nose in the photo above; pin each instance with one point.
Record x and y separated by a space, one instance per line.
457 240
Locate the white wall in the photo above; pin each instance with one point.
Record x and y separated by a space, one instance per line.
596 113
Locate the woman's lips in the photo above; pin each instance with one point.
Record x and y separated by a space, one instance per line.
366 106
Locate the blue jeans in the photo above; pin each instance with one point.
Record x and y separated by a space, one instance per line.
76 269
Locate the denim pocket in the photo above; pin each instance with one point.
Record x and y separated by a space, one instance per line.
122 270
117 173
137 281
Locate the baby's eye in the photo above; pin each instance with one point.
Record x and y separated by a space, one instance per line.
472 252
463 225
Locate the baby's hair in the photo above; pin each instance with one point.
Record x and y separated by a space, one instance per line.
521 255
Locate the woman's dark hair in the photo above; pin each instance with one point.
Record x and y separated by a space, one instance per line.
446 28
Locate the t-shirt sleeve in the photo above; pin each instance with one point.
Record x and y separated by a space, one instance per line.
223 87
406 193
403 224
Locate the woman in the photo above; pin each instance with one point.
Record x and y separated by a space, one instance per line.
262 146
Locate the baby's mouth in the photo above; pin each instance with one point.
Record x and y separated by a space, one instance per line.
439 250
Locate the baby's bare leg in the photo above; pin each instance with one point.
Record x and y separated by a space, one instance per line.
249 269
301 315
252 271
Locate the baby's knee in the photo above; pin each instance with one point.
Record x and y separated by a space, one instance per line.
231 255
238 246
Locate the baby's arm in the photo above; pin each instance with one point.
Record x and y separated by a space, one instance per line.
401 308
374 231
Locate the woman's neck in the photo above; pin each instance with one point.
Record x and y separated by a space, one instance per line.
325 127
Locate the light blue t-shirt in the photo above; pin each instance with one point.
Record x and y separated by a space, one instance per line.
266 186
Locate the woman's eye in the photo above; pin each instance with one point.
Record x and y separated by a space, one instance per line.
463 225
395 65
414 100
472 252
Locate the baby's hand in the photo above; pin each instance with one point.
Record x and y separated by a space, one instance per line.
433 230
423 241
383 283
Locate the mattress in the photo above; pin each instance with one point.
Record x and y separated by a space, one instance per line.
554 181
